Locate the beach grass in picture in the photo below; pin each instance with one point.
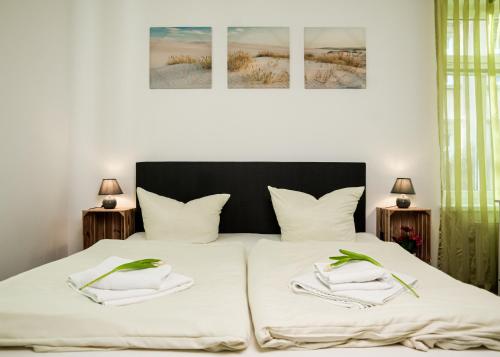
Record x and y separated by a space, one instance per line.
334 57
180 57
258 57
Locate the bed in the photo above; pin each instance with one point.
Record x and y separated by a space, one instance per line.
448 314
249 210
38 309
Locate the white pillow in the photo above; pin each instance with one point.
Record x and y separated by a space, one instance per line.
303 217
196 221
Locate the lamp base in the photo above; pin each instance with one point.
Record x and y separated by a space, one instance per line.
109 203
403 202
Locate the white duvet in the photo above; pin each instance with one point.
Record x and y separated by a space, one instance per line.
39 310
449 314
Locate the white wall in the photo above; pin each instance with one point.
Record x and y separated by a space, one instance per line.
34 96
118 120
76 106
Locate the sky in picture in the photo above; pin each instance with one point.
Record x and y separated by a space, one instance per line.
317 37
273 36
182 34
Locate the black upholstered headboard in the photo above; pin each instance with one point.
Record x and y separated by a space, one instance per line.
249 210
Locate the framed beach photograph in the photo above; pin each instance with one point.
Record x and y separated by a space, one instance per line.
180 57
258 57
334 57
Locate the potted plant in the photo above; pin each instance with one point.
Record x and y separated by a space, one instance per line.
408 239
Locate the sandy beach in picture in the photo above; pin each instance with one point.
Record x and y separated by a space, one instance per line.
180 57
334 58
258 57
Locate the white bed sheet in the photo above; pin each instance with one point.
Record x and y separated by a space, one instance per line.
38 309
253 350
449 314
250 239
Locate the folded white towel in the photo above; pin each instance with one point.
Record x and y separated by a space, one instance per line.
121 280
380 284
352 272
172 283
310 284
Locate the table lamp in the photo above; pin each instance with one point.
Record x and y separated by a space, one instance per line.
109 187
403 186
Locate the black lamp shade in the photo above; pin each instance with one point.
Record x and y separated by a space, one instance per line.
403 185
110 187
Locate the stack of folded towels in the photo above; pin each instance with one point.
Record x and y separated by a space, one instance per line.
356 284
128 287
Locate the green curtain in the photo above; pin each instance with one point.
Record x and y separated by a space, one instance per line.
468 63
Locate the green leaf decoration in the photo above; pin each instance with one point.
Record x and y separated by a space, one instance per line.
135 265
340 262
359 256
353 256
337 257
405 285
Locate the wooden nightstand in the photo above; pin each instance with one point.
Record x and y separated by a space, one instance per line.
390 220
100 223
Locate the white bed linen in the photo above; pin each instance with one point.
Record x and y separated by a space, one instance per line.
250 239
449 314
38 309
253 349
